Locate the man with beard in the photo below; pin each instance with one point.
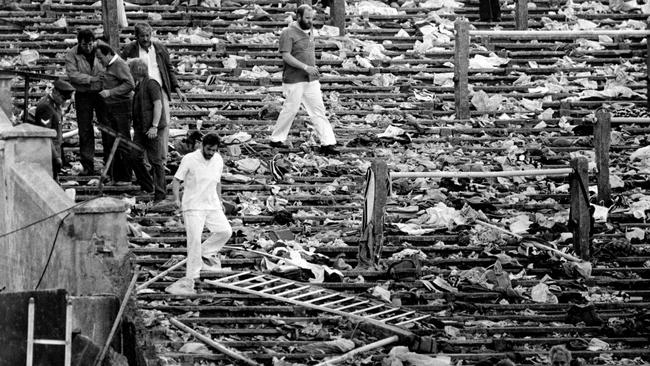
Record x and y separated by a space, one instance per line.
300 83
84 71
201 206
156 56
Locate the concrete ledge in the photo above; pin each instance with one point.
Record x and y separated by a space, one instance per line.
101 205
26 130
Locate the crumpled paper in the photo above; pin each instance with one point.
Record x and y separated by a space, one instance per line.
485 103
491 62
194 347
401 355
542 294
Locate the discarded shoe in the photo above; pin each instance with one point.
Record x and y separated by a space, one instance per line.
184 286
211 263
329 150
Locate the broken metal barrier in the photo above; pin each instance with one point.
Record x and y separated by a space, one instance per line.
369 312
462 45
28 77
377 187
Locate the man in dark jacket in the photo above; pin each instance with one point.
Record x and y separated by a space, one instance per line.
148 126
49 114
156 56
84 69
117 91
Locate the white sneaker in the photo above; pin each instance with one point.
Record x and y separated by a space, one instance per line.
184 286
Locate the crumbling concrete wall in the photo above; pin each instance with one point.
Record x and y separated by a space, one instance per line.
88 246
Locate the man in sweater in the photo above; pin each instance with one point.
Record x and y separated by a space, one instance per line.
300 83
156 56
200 171
117 89
83 69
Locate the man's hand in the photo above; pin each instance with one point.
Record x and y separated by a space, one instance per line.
105 93
312 70
177 203
152 132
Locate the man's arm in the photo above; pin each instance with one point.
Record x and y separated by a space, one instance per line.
292 61
157 112
176 188
126 84
173 82
73 72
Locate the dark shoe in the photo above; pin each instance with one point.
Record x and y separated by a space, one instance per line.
278 144
329 150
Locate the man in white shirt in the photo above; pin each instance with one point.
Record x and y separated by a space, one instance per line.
200 171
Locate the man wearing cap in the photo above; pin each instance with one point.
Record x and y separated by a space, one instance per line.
84 71
49 114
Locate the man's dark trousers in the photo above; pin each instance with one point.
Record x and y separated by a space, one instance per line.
86 104
154 154
119 119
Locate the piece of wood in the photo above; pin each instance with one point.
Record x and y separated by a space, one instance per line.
580 217
356 351
160 275
107 166
461 68
602 143
372 227
536 245
521 15
553 34
647 63
118 320
337 11
212 343
26 99
505 173
124 143
30 333
111 23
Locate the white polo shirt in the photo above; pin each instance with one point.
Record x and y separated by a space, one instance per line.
200 177
149 57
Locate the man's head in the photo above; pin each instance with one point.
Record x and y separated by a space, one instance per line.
62 91
86 41
143 35
505 362
139 69
305 16
104 53
211 143
560 356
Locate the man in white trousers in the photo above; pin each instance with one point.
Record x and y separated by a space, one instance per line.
200 171
300 83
